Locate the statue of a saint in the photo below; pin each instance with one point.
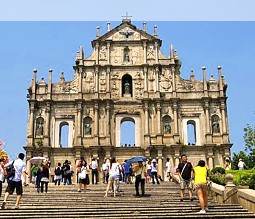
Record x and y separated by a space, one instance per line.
126 54
215 125
127 89
87 129
39 128
167 128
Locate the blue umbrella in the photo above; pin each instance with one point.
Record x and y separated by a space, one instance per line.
136 159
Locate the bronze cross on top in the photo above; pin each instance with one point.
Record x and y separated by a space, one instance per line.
126 17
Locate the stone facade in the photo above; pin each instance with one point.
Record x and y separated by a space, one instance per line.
127 78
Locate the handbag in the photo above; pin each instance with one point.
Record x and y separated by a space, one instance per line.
83 173
10 171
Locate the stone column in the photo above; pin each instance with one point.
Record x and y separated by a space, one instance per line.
223 116
31 125
47 125
158 118
173 78
144 53
108 45
79 125
210 161
80 81
145 79
96 124
175 107
146 122
97 80
206 108
108 70
157 79
156 52
28 169
49 84
97 52
160 167
108 136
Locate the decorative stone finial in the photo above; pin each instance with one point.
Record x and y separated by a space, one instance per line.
108 26
50 70
219 67
144 26
34 70
155 31
98 32
171 51
203 68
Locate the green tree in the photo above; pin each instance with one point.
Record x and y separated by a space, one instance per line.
249 138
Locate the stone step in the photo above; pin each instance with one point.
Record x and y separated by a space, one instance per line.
163 202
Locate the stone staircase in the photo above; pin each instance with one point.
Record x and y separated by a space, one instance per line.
162 201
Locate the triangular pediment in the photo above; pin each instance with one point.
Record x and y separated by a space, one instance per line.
126 31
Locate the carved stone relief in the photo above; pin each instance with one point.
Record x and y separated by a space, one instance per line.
88 82
126 34
115 89
165 80
150 53
151 78
102 53
103 82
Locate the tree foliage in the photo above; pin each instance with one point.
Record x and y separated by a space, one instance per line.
249 138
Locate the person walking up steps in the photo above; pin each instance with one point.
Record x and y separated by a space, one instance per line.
154 171
184 171
15 181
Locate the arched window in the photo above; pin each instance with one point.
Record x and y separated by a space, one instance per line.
63 134
215 124
87 126
191 129
127 85
166 123
127 130
39 126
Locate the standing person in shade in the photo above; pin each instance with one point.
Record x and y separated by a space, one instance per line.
105 170
45 177
113 176
168 169
148 167
58 174
154 171
1 174
94 167
184 171
140 171
15 181
67 173
201 174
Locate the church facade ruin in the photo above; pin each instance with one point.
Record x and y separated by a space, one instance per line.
127 78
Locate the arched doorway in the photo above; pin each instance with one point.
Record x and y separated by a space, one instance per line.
63 135
127 132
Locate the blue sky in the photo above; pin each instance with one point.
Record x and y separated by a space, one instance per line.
44 45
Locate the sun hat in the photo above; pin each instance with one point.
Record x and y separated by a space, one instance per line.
154 161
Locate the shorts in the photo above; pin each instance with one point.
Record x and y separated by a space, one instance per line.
201 186
12 185
149 172
186 184
113 177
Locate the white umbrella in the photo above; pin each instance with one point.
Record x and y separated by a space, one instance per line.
37 160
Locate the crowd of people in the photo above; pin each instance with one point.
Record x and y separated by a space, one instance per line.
113 172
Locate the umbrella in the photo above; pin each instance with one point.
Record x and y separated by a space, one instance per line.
136 159
37 160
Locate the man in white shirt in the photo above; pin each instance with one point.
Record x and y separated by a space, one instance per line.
241 164
94 167
15 181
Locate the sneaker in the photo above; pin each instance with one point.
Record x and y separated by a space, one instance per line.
16 207
181 200
207 209
79 190
191 199
3 205
201 212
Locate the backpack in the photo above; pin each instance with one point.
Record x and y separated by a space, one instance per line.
58 171
11 171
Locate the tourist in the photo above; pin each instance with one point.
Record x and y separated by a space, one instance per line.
105 171
168 169
58 174
241 165
148 167
38 179
227 165
83 175
127 172
15 181
72 172
94 168
184 171
154 171
140 175
1 174
113 177
201 174
45 177
67 173
34 169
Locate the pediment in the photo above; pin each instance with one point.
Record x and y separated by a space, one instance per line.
126 32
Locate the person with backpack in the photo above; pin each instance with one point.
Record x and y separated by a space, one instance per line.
83 175
16 168
58 174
